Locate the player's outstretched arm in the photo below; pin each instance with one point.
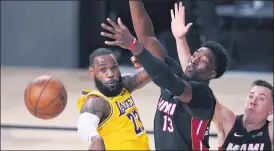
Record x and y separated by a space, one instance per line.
179 31
91 113
144 29
154 67
135 81
224 120
124 39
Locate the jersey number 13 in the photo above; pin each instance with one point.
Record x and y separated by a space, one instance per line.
167 124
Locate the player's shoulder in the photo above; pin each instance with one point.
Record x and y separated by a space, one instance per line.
88 97
199 85
86 91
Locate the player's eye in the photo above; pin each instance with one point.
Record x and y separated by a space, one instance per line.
250 97
261 99
203 61
102 69
114 67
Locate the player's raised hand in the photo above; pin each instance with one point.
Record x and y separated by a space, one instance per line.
178 27
119 32
135 62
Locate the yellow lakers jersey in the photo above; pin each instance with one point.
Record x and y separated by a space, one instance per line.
122 129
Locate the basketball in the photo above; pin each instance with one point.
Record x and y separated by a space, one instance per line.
45 97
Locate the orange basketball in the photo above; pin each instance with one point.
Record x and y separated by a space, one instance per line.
45 97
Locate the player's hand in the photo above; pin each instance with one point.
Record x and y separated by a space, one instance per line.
119 32
135 62
178 27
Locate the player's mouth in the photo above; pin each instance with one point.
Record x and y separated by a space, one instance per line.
112 83
190 68
251 108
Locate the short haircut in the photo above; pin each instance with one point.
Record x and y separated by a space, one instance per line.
264 83
220 54
99 52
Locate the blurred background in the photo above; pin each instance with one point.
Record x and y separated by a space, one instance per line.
67 32
56 38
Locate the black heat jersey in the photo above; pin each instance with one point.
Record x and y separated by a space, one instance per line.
239 139
184 126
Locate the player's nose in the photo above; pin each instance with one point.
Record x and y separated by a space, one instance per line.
194 61
253 101
110 74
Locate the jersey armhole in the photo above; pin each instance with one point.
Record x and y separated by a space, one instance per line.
101 123
108 117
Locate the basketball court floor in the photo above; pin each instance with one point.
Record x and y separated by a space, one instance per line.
231 91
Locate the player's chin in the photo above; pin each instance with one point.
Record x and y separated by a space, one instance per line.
191 76
114 87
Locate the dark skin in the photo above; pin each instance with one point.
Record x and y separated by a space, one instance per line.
145 33
201 65
143 27
99 107
131 82
106 69
146 38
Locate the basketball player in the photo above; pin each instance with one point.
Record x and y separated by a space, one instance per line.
109 118
186 105
249 131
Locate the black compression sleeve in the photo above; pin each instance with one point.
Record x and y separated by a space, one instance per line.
160 73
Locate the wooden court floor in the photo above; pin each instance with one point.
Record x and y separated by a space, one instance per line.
231 91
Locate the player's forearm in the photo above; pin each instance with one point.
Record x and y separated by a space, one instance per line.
183 52
159 72
144 29
142 23
97 143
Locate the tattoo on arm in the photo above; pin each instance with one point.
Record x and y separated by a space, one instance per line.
96 106
136 80
97 143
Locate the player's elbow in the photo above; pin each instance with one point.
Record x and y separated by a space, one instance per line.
87 126
143 39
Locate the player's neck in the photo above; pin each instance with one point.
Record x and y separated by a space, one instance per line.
251 124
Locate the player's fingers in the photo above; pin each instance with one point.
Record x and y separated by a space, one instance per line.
110 29
120 23
181 9
183 13
172 14
135 62
109 35
176 9
137 65
188 26
113 24
133 59
112 43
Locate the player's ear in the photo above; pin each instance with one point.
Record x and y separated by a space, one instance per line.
270 111
91 72
213 74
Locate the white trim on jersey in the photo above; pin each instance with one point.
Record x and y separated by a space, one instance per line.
198 130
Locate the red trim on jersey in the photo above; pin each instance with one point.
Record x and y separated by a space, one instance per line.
198 128
219 148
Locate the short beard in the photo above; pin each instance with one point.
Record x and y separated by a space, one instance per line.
107 91
187 78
